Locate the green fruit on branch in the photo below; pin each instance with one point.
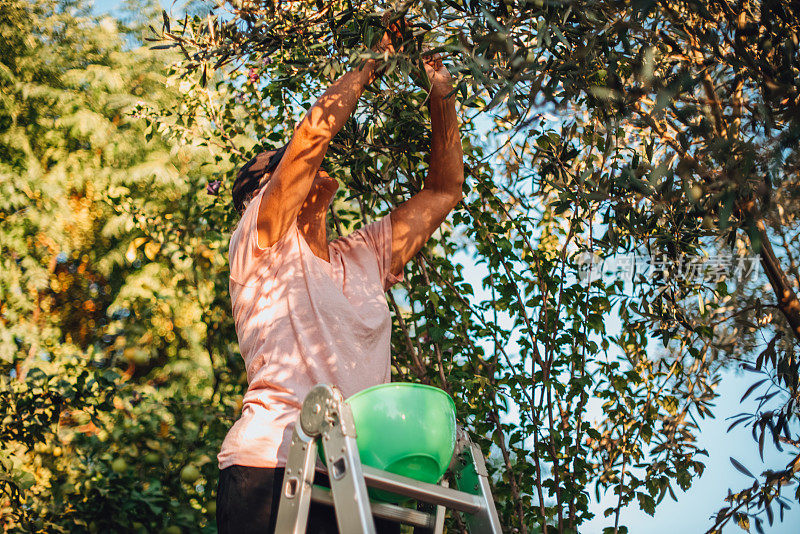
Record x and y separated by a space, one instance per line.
119 465
190 474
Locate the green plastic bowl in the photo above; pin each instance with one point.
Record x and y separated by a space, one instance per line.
406 429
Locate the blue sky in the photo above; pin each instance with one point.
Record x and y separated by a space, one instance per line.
692 512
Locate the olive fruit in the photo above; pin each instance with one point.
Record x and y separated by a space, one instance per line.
190 474
119 465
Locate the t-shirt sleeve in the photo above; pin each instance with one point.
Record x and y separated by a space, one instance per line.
377 237
248 261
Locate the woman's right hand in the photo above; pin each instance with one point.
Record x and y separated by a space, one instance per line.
394 30
441 82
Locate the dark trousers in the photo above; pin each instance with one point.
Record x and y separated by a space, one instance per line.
248 498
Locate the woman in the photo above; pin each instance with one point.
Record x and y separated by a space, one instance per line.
309 311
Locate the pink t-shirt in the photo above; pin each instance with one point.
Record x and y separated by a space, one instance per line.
302 321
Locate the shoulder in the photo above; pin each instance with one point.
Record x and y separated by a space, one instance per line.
249 261
370 247
368 236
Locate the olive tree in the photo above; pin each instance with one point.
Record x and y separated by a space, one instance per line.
665 130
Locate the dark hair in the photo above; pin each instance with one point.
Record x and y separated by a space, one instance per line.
248 179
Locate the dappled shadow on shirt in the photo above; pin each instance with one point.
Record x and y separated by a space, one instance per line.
302 321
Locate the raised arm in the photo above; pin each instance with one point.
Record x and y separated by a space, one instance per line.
414 221
291 181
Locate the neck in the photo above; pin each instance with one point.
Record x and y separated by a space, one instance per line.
312 223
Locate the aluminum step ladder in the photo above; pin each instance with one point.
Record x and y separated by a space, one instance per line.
325 414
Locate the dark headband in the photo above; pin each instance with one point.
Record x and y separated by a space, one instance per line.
249 176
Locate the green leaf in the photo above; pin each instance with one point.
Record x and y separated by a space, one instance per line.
739 467
646 503
669 403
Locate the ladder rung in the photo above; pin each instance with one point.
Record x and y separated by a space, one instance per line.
430 493
384 511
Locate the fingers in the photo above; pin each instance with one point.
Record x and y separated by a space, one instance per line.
433 59
427 52
395 29
386 44
383 46
435 62
397 37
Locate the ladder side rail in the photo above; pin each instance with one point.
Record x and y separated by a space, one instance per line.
471 476
350 498
297 483
436 513
438 524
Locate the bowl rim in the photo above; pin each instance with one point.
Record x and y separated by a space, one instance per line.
412 385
